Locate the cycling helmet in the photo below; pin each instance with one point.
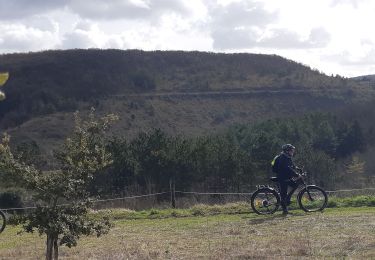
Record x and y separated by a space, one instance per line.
287 147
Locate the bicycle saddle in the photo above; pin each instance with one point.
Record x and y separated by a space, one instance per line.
274 179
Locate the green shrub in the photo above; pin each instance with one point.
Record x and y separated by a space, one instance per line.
332 203
154 212
359 201
199 210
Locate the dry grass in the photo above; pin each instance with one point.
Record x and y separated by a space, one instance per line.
336 233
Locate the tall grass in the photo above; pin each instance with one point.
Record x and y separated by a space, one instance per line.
230 208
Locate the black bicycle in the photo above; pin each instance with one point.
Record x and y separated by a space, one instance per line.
3 221
266 199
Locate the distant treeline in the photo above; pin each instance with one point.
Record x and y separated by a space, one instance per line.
238 159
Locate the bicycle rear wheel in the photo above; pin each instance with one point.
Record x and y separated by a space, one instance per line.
312 198
2 221
265 201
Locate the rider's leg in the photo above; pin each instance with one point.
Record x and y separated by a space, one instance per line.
293 186
283 195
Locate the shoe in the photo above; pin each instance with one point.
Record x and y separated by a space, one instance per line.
285 213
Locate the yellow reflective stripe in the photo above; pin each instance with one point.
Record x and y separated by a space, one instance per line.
2 96
273 161
3 78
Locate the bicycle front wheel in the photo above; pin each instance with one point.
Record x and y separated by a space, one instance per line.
265 201
2 221
312 198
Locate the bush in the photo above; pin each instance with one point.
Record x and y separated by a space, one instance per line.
357 201
332 203
199 210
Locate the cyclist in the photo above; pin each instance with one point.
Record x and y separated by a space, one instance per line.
284 167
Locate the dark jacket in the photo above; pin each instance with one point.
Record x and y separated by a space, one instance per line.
284 167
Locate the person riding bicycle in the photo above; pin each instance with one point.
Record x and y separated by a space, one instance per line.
284 168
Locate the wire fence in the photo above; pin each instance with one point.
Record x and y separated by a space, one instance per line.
177 199
347 193
186 199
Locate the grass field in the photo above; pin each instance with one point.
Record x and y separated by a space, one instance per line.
335 233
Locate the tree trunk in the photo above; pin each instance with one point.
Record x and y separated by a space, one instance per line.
55 249
172 188
49 247
149 185
52 252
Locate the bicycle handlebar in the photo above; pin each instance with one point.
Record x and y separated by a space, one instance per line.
301 171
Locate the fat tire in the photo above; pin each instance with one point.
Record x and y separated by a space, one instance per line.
312 187
273 193
3 221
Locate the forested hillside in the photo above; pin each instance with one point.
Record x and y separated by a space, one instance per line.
58 81
207 121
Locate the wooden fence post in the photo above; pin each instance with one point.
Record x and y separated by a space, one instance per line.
172 188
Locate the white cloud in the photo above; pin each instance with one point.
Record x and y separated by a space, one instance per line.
246 13
285 39
231 39
99 9
88 35
43 23
78 39
20 9
238 25
18 37
248 24
354 3
127 9
319 37
94 9
348 59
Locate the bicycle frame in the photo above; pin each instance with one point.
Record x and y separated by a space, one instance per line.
301 184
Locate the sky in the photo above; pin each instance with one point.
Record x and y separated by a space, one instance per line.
332 36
